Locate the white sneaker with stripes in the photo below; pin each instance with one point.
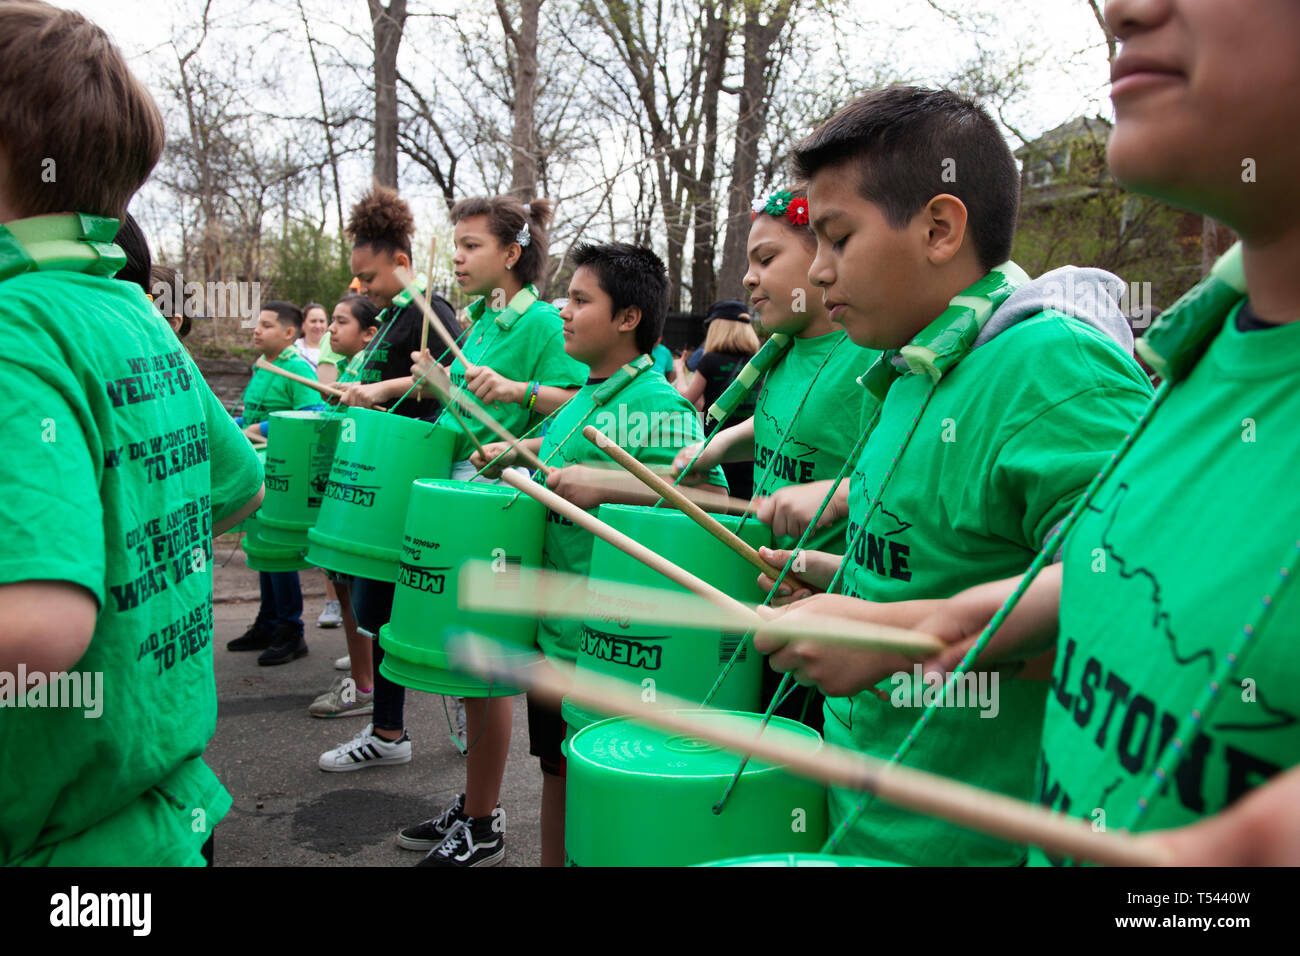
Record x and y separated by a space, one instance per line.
366 750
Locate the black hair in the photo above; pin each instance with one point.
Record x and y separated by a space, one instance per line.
138 260
506 216
363 310
382 220
629 275
910 145
286 313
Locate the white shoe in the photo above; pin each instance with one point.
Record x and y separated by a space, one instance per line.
366 750
344 663
332 616
343 699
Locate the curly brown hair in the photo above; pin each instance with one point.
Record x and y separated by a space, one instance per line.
382 220
505 216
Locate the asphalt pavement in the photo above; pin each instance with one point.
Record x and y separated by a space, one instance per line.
288 812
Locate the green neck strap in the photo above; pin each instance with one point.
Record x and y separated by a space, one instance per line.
70 242
521 303
943 343
620 379
758 366
1177 340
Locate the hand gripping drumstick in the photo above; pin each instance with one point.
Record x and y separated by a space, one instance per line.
534 592
738 610
331 390
1016 821
449 394
684 504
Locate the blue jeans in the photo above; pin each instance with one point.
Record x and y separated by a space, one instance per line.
372 604
281 607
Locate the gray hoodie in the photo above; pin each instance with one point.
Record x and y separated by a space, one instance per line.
1090 295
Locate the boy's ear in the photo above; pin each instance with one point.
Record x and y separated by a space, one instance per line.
945 223
628 318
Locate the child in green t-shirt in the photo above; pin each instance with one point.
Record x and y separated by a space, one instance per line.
519 371
119 465
1001 398
353 326
617 305
1174 703
802 431
277 630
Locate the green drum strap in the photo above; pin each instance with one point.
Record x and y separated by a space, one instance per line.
762 362
844 563
1043 558
785 435
1169 759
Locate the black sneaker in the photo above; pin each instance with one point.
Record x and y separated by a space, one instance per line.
286 648
425 836
475 842
255 638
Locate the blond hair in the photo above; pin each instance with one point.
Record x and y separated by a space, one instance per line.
726 335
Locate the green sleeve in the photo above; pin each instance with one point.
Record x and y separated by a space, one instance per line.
51 514
302 396
1043 468
235 472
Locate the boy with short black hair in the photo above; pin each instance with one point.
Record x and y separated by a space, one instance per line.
1001 399
618 301
1174 698
109 488
277 631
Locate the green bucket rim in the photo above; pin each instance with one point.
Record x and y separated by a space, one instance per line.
753 768
345 557
431 678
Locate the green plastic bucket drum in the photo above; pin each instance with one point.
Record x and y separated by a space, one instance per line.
263 555
684 662
299 455
800 859
447 523
359 528
638 796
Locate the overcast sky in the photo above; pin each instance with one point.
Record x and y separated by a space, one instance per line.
1061 37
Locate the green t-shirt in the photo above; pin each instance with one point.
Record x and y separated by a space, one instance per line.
824 432
1010 439
530 349
663 359
1164 569
328 356
652 421
118 459
267 392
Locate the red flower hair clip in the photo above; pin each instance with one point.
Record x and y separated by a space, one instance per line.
797 212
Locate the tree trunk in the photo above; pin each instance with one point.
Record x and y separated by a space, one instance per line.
1216 239
703 278
523 137
749 127
387 23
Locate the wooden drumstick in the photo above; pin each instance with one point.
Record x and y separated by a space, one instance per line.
984 811
450 393
723 504
536 592
688 507
424 326
331 390
627 545
430 318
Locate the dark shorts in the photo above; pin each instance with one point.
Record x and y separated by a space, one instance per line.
546 728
